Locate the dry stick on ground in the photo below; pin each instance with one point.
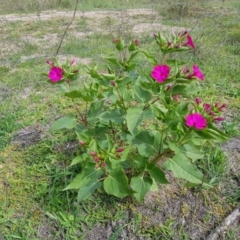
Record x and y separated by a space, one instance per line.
229 220
65 32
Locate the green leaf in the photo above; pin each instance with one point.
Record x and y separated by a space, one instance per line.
79 159
183 168
144 142
68 122
95 109
116 116
74 94
141 185
192 152
150 57
87 190
154 186
141 95
212 134
156 173
114 61
135 116
117 183
89 174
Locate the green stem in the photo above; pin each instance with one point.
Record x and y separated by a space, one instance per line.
186 137
148 104
113 132
121 99
82 117
164 58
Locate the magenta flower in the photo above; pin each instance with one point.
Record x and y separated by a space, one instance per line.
160 73
197 73
189 42
55 74
196 120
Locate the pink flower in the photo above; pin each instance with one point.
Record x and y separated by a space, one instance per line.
189 42
196 120
197 73
55 74
160 73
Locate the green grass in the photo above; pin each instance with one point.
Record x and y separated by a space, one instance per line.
32 178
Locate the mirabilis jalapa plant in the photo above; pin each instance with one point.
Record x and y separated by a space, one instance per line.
134 124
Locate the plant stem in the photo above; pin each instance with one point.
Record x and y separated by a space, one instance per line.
121 99
148 104
186 137
113 132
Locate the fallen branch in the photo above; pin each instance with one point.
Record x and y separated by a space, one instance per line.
229 220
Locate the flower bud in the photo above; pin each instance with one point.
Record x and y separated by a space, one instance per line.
96 159
93 154
224 105
113 83
211 113
207 107
168 87
136 42
198 100
218 119
51 63
82 143
119 150
72 62
104 164
68 81
176 97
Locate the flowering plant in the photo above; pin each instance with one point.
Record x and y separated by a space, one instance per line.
137 122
